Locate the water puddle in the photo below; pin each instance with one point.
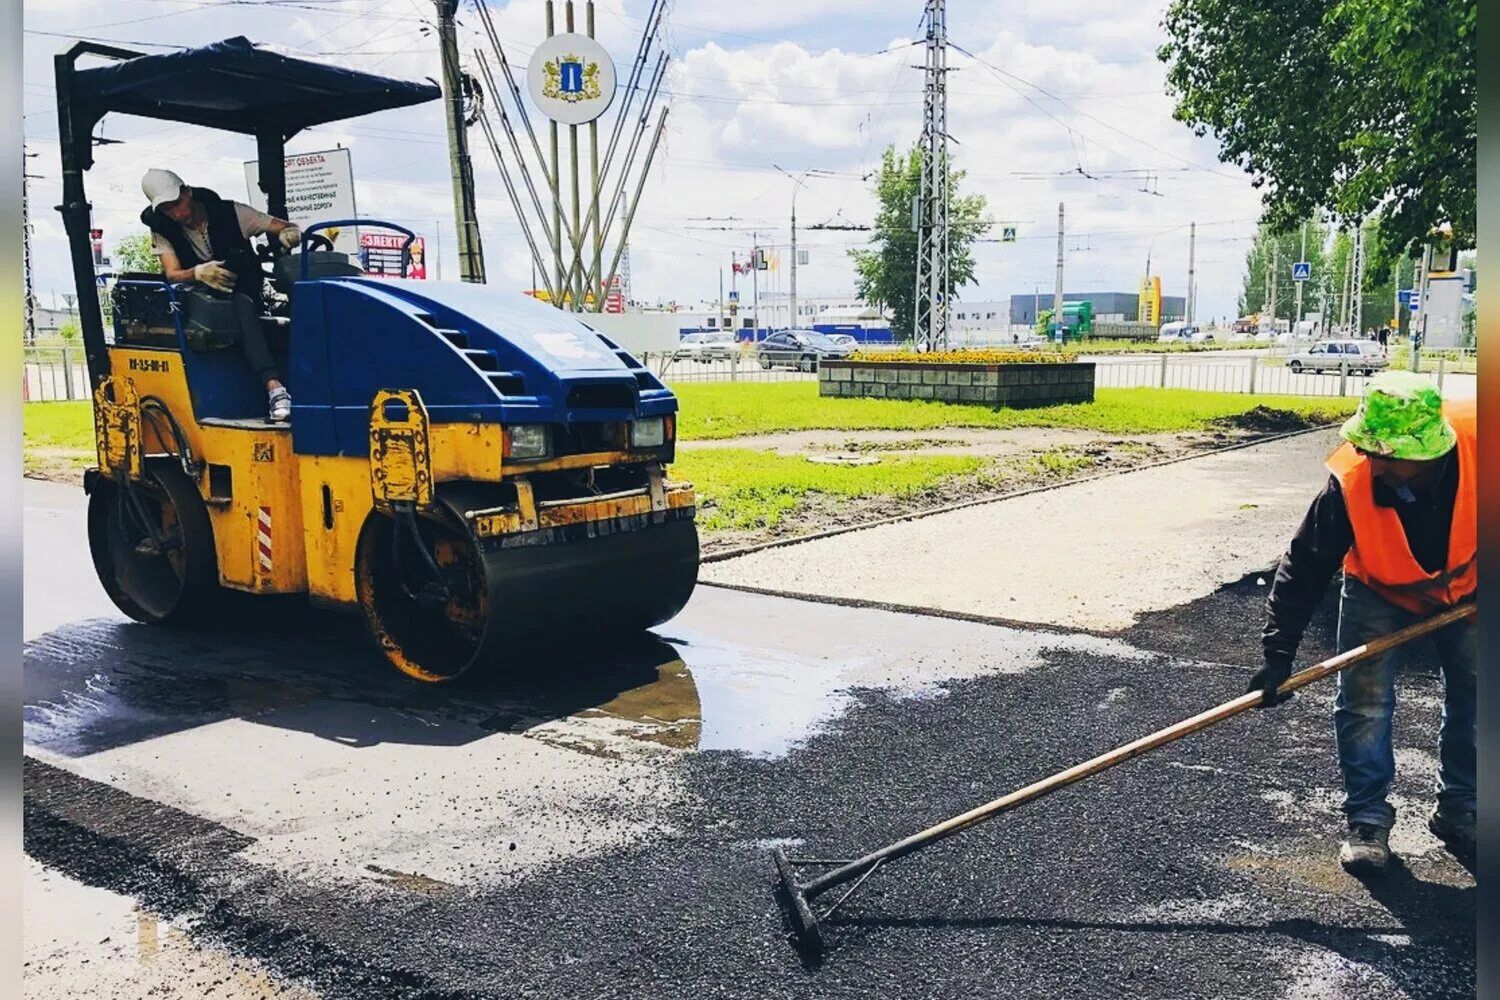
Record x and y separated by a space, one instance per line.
87 942
736 672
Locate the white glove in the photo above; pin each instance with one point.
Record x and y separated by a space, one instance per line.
290 237
215 275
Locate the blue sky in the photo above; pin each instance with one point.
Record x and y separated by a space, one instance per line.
1058 91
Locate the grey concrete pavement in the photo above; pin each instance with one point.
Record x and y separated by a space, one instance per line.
1091 555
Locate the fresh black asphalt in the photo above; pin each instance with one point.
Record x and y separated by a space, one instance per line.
1202 870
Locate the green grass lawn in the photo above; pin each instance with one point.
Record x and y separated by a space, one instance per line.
57 436
716 410
744 488
59 425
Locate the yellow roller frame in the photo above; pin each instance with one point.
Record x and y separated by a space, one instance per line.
400 455
117 428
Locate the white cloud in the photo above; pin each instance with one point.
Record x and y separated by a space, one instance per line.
740 103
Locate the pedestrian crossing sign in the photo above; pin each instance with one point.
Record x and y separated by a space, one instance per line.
1301 270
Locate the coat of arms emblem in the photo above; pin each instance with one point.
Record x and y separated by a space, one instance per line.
569 78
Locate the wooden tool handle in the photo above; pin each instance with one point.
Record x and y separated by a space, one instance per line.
1172 733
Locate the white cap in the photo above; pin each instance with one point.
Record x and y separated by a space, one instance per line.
161 187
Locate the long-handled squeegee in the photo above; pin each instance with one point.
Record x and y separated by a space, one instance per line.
797 897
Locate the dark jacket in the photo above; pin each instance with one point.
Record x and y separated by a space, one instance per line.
229 244
1318 548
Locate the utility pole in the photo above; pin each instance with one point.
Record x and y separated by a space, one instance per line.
930 218
28 291
755 280
1271 285
1419 328
1357 292
723 319
437 249
470 252
1057 292
1192 289
1297 307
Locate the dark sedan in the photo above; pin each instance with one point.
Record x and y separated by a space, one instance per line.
800 349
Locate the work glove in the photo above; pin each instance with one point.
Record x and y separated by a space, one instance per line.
1270 677
290 237
215 275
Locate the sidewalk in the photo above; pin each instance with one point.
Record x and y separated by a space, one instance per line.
1091 555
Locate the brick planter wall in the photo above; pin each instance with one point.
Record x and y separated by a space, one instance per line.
1015 385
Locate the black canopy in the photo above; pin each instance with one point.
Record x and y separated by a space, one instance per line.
242 87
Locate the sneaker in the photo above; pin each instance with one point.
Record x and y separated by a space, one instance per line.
1455 829
1366 850
281 404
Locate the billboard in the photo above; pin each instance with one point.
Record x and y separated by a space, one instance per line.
319 188
380 255
1148 305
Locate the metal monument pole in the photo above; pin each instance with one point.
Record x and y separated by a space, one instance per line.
557 258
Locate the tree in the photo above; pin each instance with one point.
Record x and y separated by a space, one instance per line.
887 275
1354 106
133 253
1286 249
69 330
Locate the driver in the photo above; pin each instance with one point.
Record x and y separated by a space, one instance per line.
204 238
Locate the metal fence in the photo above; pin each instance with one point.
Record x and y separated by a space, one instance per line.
739 368
59 373
53 374
1268 375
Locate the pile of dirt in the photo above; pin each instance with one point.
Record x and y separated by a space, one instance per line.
1264 420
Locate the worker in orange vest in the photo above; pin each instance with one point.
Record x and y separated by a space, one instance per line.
1398 514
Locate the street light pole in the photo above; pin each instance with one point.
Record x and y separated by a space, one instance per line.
797 183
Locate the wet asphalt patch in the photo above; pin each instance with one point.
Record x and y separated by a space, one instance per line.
1202 870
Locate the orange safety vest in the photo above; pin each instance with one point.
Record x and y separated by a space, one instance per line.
1380 557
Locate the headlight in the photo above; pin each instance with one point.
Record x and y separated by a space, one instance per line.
526 441
648 433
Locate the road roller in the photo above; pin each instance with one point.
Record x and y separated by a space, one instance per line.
466 467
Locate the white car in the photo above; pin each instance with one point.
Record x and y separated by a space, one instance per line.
1361 357
844 340
706 347
1183 333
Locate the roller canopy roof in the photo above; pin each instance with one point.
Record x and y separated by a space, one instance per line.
240 86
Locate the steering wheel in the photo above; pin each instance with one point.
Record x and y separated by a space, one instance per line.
316 241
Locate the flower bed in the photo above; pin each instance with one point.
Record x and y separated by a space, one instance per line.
940 377
974 356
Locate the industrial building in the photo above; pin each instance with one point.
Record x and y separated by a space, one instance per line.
1109 307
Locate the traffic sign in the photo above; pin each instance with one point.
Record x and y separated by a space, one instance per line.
1007 234
1301 270
734 296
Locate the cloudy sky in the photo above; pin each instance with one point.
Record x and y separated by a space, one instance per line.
1061 101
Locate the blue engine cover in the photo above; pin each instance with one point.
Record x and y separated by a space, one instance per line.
474 353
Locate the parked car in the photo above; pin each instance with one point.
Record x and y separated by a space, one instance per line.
706 347
800 349
1184 333
1361 357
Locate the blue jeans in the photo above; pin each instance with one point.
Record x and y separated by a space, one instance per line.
1367 699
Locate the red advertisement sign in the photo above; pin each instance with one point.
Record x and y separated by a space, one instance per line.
380 255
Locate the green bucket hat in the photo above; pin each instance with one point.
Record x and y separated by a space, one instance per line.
1401 416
